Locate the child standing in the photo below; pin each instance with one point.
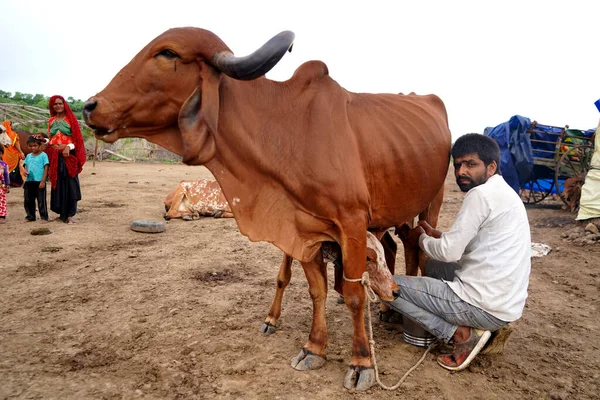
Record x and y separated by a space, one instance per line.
4 186
36 168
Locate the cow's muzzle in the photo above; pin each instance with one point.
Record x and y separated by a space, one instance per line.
88 107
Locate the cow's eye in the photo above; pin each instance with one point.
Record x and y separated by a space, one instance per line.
167 53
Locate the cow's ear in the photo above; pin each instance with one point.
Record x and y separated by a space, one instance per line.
198 119
371 254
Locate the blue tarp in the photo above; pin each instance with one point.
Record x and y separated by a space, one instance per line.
516 154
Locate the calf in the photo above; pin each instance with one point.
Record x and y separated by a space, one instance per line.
193 199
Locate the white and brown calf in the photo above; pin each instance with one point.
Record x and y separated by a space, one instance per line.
194 199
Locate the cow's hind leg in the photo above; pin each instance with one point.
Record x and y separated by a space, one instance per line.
430 215
411 253
390 248
283 279
312 355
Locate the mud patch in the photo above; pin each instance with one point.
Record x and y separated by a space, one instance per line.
51 249
213 277
92 357
112 205
36 269
555 222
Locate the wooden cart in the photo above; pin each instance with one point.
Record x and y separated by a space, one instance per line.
559 153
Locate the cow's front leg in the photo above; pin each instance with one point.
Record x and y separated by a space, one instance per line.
360 375
283 279
312 355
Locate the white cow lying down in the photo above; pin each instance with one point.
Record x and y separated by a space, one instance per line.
194 199
4 139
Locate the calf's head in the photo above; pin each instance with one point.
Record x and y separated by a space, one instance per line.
381 278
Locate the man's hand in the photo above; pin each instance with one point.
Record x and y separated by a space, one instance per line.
429 230
42 184
66 151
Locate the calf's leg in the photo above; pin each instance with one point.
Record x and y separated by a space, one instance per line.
283 279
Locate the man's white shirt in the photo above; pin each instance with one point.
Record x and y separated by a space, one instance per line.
491 242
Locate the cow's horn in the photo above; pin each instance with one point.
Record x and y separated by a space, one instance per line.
258 63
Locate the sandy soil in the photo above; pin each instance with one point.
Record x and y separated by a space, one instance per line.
97 311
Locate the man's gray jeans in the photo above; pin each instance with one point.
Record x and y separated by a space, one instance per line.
431 303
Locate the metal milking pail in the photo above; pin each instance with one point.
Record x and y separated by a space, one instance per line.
414 334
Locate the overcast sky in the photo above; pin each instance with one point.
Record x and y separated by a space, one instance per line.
487 60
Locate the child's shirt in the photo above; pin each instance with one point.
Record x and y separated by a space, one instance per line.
35 166
4 177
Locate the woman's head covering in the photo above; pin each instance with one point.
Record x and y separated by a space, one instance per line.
12 154
74 162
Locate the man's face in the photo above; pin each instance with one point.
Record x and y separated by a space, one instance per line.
471 172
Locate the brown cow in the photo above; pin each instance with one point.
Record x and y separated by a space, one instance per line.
23 136
572 192
301 162
193 199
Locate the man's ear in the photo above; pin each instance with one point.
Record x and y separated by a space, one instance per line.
199 117
492 168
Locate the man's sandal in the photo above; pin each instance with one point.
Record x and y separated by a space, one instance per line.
465 352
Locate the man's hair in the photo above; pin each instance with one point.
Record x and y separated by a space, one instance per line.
31 139
474 143
1 149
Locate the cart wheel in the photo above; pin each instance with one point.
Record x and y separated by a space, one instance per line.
535 189
574 163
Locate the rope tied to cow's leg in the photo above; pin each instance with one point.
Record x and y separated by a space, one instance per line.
372 297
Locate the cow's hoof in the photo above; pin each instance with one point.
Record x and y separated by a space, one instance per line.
306 361
167 218
267 328
359 378
186 217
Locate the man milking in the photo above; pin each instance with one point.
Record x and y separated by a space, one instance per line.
476 280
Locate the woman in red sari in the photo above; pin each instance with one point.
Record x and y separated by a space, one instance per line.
66 153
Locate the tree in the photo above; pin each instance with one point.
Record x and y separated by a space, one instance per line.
37 98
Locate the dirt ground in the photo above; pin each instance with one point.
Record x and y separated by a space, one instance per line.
98 311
